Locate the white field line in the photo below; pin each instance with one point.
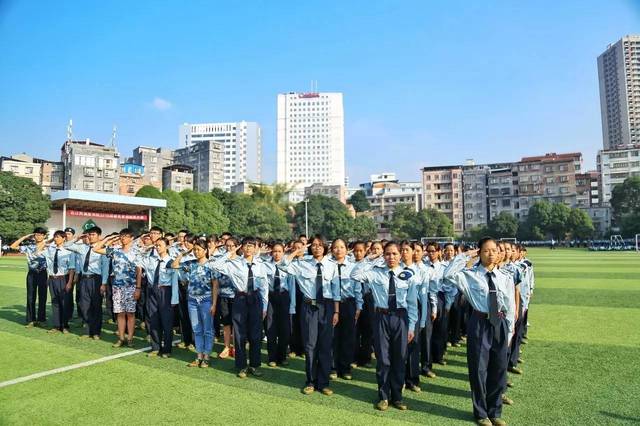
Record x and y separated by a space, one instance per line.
73 367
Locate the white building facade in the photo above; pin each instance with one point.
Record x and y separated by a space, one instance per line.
615 166
619 79
242 160
310 140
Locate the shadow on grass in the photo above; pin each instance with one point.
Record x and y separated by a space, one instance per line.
620 417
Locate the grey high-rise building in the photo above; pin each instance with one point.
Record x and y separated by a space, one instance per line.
153 160
619 76
89 166
206 158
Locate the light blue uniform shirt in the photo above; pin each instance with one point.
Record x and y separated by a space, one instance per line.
287 283
225 286
95 259
237 270
377 276
473 283
168 276
348 287
35 260
424 295
305 271
438 284
66 260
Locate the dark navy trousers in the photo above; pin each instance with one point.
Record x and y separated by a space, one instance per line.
278 326
60 302
344 337
317 337
37 286
364 332
425 343
390 342
91 303
160 318
487 363
412 374
440 331
247 326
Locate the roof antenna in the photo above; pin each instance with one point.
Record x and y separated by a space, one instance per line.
113 136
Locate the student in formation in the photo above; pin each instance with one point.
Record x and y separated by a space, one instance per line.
202 293
282 303
446 294
249 276
344 333
90 282
489 291
396 313
122 253
320 310
60 268
185 246
411 256
36 275
296 345
226 296
364 330
431 268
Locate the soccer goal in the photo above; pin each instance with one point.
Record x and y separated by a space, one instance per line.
509 240
617 243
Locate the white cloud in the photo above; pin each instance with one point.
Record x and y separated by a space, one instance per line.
161 104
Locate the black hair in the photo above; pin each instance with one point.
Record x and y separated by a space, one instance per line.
212 238
126 231
234 240
484 240
338 239
226 234
185 231
203 245
169 235
322 240
432 244
190 238
358 242
59 234
417 244
156 228
391 243
449 244
94 230
249 240
40 230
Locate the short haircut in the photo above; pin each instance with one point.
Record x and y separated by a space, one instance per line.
485 240
94 230
156 228
41 230
320 238
126 231
249 240
61 234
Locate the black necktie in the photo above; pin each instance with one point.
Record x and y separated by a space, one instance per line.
392 292
494 319
156 276
276 280
250 279
319 295
55 262
340 265
86 260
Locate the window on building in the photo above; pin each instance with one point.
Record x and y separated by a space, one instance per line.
88 185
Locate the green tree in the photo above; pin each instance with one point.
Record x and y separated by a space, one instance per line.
359 202
364 228
558 225
433 223
504 225
149 191
170 218
249 217
405 224
23 206
327 216
476 232
625 202
203 213
580 224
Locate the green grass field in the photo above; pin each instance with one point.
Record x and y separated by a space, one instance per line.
582 366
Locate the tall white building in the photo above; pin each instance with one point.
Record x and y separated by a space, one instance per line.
619 77
310 140
242 148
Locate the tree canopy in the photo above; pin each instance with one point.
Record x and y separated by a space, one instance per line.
24 206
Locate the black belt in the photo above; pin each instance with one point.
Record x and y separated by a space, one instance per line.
348 300
385 311
314 302
484 315
90 275
52 277
245 293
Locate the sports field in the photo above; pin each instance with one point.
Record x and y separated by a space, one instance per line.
582 366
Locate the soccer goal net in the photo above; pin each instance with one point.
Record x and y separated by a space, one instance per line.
439 240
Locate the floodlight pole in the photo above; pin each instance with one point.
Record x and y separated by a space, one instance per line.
306 217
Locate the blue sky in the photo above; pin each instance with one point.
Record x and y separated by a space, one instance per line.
425 83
